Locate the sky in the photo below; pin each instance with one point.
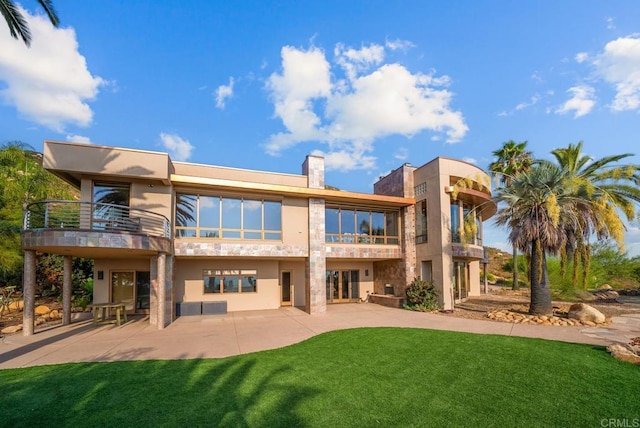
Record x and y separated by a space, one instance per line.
370 85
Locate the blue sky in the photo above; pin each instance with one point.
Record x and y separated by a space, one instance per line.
370 85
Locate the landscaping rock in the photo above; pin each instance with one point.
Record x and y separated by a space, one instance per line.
18 305
54 315
42 310
605 287
11 329
624 353
583 312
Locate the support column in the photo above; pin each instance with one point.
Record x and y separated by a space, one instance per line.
29 292
316 263
162 291
66 291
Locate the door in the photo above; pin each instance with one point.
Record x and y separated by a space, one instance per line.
286 294
342 285
143 292
133 289
122 289
460 280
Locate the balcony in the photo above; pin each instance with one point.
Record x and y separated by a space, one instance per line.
86 229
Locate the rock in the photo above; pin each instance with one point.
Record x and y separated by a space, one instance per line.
583 312
42 310
624 353
605 287
18 305
54 315
589 323
11 329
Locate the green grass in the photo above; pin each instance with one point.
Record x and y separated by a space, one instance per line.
361 377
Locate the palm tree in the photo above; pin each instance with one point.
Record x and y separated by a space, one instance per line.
537 210
604 190
18 26
512 159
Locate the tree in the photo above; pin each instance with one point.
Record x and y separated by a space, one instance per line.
604 189
512 159
18 26
22 180
536 208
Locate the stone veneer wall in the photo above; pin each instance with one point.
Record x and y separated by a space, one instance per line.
83 238
363 252
399 273
389 272
244 249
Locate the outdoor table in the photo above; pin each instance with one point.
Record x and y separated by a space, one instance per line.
119 307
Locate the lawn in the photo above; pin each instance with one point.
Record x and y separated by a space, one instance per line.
360 377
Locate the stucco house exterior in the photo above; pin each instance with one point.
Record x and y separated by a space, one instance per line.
174 238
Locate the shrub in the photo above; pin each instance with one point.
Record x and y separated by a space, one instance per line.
422 296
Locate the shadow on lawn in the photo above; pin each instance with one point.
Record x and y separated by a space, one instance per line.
240 392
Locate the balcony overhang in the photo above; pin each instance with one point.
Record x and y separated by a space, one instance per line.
94 244
467 251
482 200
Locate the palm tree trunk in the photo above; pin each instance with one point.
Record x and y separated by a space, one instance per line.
516 284
540 294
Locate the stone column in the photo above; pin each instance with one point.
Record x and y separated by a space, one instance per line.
66 291
29 292
316 263
162 291
153 298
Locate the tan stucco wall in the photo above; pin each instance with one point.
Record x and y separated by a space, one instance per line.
189 284
297 276
210 171
106 161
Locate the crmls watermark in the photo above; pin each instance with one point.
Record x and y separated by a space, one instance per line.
620 423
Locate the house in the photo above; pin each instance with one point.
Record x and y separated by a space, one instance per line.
174 238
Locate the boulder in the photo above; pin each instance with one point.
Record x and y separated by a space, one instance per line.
583 312
42 310
624 353
18 305
54 315
11 329
605 287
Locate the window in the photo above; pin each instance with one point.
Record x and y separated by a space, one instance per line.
349 226
230 281
420 189
203 216
421 222
110 205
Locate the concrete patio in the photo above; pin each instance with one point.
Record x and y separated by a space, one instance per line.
218 336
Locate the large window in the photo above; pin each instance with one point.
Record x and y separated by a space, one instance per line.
358 226
230 281
203 216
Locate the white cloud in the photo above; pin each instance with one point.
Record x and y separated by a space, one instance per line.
223 92
610 23
581 102
346 160
533 101
619 65
179 149
398 44
79 139
581 57
401 154
470 160
349 114
48 83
